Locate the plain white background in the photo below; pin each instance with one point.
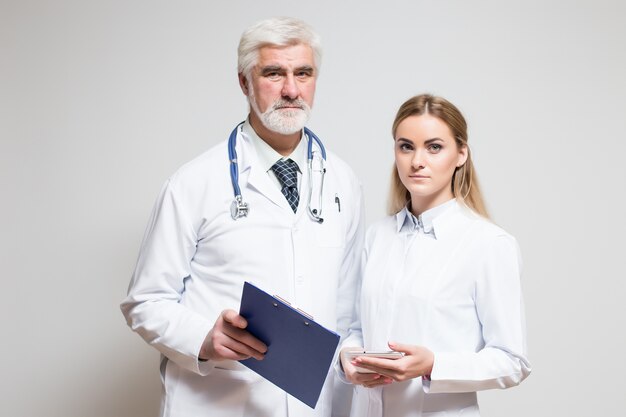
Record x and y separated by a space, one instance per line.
100 101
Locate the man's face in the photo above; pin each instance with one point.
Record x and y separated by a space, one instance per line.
281 87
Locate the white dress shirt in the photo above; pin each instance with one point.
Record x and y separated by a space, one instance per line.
448 280
267 156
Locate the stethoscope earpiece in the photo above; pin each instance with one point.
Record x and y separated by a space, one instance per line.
315 217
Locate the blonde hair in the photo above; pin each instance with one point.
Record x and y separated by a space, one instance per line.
465 186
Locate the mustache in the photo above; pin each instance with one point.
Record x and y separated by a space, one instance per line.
299 103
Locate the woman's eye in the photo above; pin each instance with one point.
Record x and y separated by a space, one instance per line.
435 147
405 147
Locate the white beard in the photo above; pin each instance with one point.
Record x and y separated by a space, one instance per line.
283 121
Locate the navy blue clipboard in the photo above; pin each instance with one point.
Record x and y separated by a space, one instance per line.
299 352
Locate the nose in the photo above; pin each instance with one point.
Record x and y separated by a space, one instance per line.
418 162
290 88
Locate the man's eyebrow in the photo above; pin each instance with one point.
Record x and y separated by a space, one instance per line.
271 68
277 68
306 68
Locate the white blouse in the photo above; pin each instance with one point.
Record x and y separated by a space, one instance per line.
448 280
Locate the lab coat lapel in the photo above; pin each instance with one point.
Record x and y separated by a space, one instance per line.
454 229
303 192
257 179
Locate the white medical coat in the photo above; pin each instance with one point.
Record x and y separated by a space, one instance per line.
459 295
195 258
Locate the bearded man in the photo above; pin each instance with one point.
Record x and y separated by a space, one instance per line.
269 206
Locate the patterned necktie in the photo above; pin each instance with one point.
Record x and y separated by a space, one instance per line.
287 173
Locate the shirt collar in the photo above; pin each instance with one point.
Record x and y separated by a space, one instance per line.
425 222
267 156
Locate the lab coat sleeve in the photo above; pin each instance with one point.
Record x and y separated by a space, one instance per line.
502 362
349 275
354 337
152 307
355 332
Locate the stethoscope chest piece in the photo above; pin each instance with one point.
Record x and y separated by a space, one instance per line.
238 208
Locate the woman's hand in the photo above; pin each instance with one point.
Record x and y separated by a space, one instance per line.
417 361
368 380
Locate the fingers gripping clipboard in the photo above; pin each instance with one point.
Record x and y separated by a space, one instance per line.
300 351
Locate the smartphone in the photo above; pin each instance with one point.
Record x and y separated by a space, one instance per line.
384 354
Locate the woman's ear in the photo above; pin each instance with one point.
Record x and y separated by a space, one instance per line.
463 154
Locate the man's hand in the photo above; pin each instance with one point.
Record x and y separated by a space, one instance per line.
228 339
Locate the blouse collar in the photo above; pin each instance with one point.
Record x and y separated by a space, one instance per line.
425 222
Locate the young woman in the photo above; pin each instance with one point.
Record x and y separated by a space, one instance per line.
441 283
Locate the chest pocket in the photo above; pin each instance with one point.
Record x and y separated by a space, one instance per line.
332 232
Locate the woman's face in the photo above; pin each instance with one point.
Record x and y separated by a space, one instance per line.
426 157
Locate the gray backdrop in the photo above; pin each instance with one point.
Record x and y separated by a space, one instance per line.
100 101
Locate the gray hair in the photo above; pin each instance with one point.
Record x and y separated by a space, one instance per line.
277 31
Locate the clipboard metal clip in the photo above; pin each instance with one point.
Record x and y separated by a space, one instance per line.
304 313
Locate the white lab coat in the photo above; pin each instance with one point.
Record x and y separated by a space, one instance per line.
195 258
459 295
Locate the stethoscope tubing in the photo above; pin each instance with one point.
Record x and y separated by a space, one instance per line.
240 207
234 164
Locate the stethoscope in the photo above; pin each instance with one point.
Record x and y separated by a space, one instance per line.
239 208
